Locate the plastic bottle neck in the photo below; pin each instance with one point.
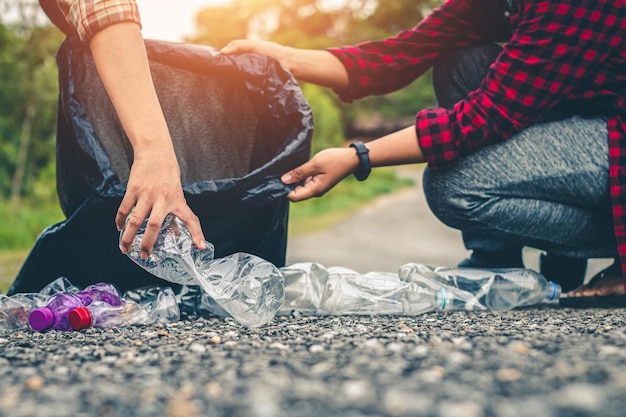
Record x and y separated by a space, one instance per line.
553 291
442 299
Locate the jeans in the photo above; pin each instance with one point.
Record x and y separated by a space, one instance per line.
546 187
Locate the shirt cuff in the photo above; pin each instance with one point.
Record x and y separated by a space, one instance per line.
90 17
357 76
436 139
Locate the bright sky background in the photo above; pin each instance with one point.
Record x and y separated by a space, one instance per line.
170 20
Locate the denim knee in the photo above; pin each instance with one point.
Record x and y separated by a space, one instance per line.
449 197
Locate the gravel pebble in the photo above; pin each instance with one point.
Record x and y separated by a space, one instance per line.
546 362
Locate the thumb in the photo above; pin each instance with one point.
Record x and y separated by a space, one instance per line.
298 174
235 47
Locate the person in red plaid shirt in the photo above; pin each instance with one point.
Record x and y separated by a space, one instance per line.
528 146
112 30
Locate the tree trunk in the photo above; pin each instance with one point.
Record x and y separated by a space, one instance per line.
22 153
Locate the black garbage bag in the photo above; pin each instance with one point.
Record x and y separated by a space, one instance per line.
237 122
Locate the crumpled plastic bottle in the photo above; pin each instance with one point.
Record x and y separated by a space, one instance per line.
490 289
313 289
160 302
158 307
14 310
55 314
246 286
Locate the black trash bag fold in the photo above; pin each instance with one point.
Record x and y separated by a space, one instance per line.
237 123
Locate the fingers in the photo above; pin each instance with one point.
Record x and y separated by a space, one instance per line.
128 202
238 47
194 227
304 192
314 182
298 174
151 232
153 227
321 173
133 223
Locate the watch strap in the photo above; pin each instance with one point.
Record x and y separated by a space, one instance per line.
365 166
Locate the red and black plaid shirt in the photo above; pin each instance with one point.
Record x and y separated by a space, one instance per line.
554 51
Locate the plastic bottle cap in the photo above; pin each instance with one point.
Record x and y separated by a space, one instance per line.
41 319
444 299
80 318
554 291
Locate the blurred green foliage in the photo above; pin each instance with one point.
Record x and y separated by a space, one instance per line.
28 106
24 222
28 98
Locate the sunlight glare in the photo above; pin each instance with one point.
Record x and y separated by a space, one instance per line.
169 20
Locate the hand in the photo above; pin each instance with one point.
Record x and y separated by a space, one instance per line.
314 66
154 190
321 173
271 49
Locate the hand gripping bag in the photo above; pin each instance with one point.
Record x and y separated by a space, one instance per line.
237 123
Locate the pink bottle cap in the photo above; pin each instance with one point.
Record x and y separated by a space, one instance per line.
41 319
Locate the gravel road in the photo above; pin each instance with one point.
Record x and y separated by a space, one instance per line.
541 362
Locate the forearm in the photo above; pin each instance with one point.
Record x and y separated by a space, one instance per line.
121 59
317 67
401 147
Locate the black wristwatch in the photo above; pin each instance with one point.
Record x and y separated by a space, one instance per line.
365 167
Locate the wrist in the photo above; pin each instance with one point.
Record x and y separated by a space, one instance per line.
291 60
364 166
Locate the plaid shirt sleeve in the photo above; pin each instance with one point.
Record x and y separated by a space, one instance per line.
380 67
554 54
91 16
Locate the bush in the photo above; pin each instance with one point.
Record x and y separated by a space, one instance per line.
329 127
21 224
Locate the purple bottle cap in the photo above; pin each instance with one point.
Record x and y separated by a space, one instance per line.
41 319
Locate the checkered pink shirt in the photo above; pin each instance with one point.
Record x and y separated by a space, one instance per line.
554 51
91 16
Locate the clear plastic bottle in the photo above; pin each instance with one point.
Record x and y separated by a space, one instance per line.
99 314
314 289
14 310
54 315
247 287
491 289
173 253
156 308
160 303
348 292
